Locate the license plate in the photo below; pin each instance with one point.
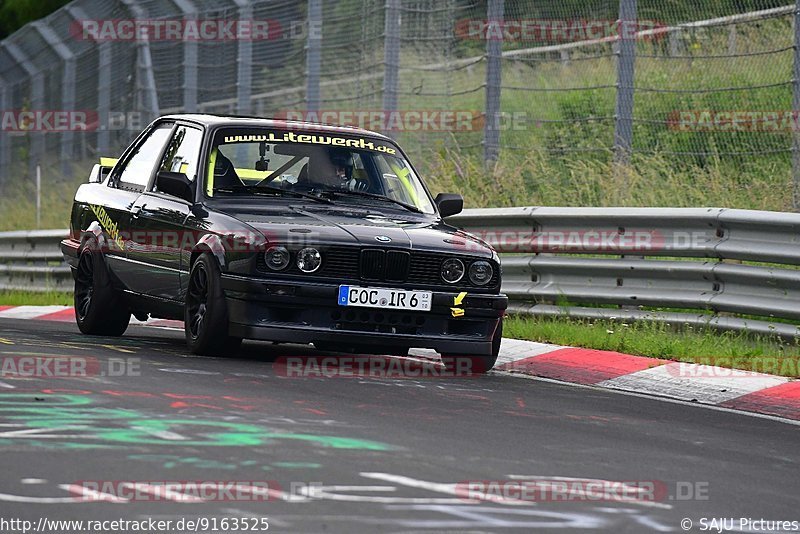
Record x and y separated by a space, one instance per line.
374 297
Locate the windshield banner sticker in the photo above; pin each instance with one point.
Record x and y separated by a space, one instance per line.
291 137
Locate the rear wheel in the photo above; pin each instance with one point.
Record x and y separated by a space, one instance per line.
475 364
99 309
206 312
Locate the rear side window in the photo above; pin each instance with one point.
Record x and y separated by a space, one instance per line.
138 168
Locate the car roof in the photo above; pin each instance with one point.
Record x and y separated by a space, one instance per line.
264 122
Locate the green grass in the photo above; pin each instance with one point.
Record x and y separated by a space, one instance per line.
533 169
737 350
30 298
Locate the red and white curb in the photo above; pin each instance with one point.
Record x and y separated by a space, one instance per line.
704 384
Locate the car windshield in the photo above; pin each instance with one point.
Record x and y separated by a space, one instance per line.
334 167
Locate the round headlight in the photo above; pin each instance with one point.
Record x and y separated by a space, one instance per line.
277 258
480 272
309 260
452 270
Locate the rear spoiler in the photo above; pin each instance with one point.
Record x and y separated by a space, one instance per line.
100 170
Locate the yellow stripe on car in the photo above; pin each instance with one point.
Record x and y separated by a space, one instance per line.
212 161
403 174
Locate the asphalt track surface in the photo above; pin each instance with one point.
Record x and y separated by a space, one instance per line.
364 454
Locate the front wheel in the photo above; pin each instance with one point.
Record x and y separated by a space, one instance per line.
206 312
99 308
475 364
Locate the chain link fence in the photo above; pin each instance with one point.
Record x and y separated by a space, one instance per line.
544 89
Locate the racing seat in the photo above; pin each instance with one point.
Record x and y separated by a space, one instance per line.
224 173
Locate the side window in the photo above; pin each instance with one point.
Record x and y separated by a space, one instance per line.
183 152
139 167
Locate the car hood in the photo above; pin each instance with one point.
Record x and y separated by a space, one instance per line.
333 225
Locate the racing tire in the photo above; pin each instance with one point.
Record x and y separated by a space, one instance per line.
471 363
206 312
99 309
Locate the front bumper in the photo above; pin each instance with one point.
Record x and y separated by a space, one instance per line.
308 312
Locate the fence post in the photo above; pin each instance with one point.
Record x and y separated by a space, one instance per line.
391 57
5 140
495 13
623 112
67 92
104 65
313 54
796 110
37 101
146 93
104 62
244 63
189 60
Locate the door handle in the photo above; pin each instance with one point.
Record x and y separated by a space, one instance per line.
136 210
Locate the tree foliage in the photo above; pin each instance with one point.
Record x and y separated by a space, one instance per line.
14 14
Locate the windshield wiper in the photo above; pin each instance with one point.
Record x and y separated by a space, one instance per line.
346 192
272 191
292 192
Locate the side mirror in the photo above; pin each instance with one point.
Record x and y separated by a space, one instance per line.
99 173
449 204
176 184
94 176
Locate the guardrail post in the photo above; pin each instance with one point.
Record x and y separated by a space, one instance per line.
623 112
494 50
391 56
67 91
796 111
313 54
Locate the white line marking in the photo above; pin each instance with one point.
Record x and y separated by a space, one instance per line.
652 397
163 492
90 495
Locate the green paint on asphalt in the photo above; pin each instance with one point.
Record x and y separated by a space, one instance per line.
72 415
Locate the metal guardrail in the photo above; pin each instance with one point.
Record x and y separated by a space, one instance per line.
588 262
31 260
610 262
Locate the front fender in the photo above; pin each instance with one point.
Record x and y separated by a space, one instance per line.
211 243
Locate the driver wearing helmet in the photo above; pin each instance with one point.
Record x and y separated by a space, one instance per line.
343 165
